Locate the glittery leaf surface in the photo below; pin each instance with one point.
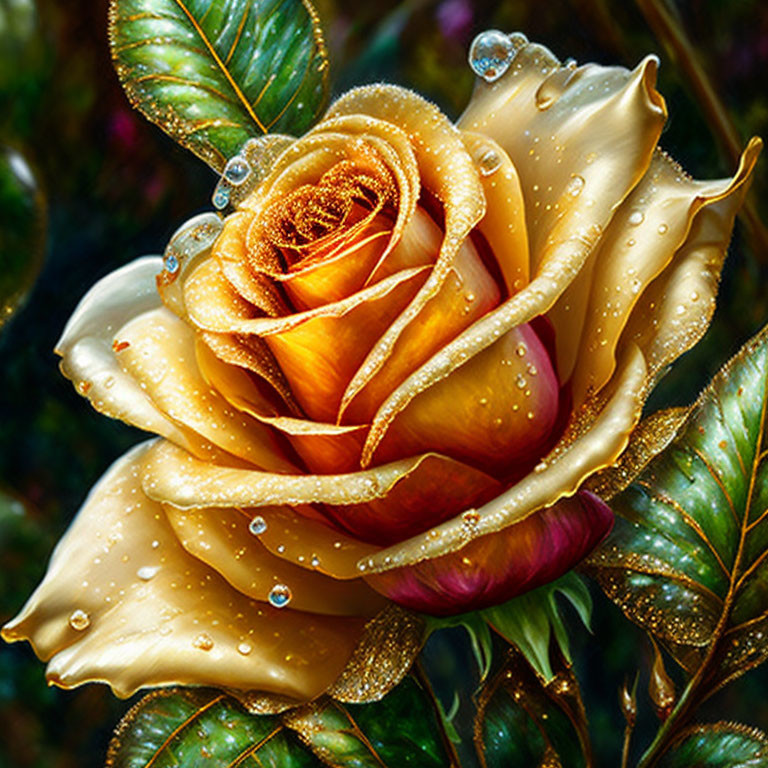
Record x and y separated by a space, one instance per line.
213 74
400 730
523 723
720 745
688 557
178 726
22 230
175 727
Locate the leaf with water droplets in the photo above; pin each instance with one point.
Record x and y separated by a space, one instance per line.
213 74
174 727
522 723
720 745
22 231
400 730
688 557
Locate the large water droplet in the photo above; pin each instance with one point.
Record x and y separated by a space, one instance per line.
79 620
147 572
488 161
280 595
258 525
203 642
237 170
244 648
636 217
491 53
221 195
575 185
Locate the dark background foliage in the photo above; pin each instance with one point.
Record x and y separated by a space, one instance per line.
117 188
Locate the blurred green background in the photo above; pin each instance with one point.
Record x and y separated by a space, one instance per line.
112 187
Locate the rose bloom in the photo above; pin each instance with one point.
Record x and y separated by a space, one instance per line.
379 383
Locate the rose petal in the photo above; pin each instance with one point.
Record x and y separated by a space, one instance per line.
446 171
596 436
468 293
580 139
325 448
497 412
222 540
160 356
301 539
150 614
252 354
496 568
174 476
606 122
319 353
437 489
674 311
503 225
90 352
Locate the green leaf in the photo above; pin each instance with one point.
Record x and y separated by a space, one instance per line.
522 723
720 745
479 636
688 557
22 230
529 621
188 727
214 73
399 730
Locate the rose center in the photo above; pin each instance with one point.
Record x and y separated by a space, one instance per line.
315 221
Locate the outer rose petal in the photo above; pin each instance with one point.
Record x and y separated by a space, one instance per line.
495 568
151 614
649 231
90 361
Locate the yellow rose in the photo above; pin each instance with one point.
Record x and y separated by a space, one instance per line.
384 377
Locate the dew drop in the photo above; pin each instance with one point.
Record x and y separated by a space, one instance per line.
171 263
203 642
521 349
221 196
636 218
663 228
315 561
492 52
279 596
244 649
237 170
147 572
489 162
79 620
520 381
258 525
575 185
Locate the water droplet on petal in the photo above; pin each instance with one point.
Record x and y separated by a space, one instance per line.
575 185
237 170
79 620
491 53
258 525
147 572
663 229
221 195
489 161
315 561
244 648
203 642
171 263
521 349
636 218
520 381
280 595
